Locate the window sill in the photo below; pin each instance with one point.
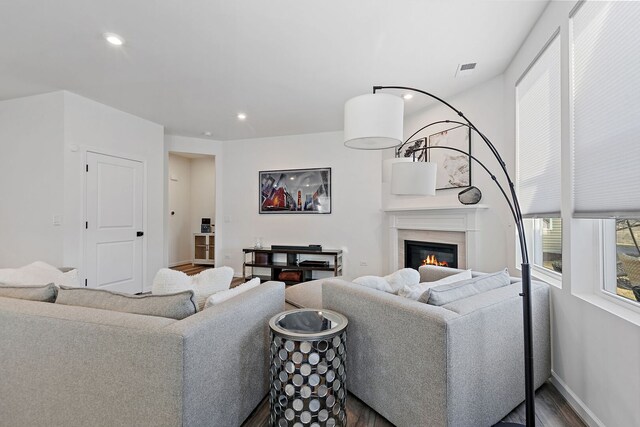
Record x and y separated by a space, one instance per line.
547 276
611 305
540 273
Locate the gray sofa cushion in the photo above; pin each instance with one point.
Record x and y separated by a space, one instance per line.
445 294
46 293
174 306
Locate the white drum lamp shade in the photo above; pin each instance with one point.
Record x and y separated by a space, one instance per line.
388 164
373 121
414 178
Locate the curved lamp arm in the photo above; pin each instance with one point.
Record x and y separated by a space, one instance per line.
514 198
493 177
514 205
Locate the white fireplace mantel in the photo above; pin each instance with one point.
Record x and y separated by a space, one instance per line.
461 218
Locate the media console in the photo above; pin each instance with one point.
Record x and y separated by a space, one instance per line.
298 261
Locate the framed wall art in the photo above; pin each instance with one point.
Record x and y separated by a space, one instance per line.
454 169
295 191
408 148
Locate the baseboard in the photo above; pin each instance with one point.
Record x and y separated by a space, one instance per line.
175 264
576 403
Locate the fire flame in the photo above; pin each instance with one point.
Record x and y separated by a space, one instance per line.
432 260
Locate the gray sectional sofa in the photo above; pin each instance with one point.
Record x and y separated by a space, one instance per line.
70 366
457 365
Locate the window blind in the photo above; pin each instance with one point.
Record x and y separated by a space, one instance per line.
538 134
605 70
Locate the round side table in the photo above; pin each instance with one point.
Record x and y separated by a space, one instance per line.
308 369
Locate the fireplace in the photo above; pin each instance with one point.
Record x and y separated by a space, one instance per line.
420 253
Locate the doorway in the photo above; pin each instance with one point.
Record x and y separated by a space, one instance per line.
192 204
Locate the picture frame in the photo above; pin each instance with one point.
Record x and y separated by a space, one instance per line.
408 148
295 191
454 169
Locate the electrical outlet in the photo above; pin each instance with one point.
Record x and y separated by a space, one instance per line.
364 264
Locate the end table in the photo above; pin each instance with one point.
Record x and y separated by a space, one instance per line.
308 368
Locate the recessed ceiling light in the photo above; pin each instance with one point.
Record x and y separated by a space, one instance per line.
242 116
114 39
207 133
407 96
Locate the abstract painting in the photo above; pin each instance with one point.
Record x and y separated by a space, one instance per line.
295 191
454 168
410 147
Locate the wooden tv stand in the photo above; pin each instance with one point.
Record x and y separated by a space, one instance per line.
279 260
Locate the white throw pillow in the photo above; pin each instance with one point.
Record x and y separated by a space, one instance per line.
168 281
208 282
222 296
414 292
374 282
401 278
70 279
35 274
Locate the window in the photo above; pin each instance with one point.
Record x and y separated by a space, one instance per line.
544 238
606 153
623 280
538 134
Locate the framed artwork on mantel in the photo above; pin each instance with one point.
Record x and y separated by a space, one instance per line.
454 169
295 191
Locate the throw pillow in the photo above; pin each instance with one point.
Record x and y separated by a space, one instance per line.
174 306
37 273
222 296
444 294
70 278
401 278
374 282
210 281
168 281
46 293
414 292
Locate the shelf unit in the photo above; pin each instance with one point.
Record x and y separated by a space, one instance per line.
266 258
204 248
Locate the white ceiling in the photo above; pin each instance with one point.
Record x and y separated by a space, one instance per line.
192 65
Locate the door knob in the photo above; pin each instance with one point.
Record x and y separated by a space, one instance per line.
140 233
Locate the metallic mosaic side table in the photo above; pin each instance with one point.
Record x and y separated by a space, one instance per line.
307 370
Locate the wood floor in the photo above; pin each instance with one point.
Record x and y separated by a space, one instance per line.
552 410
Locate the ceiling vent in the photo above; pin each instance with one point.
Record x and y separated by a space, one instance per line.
465 69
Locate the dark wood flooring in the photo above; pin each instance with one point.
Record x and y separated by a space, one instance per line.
552 410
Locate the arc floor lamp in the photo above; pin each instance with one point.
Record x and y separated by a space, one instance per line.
375 122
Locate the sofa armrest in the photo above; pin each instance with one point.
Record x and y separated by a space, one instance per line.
485 373
226 356
396 352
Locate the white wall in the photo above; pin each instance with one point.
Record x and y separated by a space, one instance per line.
31 179
183 144
203 191
44 141
179 193
89 125
355 223
483 105
595 345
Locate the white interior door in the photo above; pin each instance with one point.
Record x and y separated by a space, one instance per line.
114 229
